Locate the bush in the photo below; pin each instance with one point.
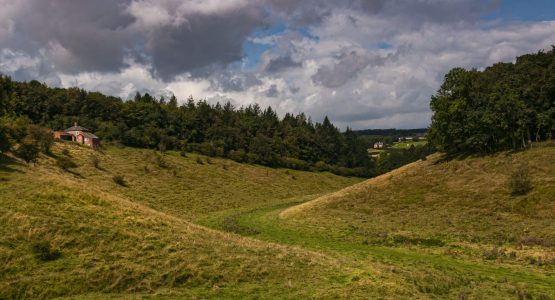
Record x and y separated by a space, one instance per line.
28 151
119 180
237 155
95 161
65 163
519 182
160 161
65 152
42 137
199 161
44 251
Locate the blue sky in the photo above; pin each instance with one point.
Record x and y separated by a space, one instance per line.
525 10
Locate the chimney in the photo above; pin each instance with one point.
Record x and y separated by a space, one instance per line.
75 124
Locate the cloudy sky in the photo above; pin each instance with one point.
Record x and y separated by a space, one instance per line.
364 63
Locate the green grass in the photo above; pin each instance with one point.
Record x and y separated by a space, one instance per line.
137 240
200 227
458 211
406 145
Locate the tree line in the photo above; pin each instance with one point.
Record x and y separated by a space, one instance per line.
505 106
245 134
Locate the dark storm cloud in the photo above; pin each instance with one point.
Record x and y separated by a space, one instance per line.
280 63
201 41
348 66
85 35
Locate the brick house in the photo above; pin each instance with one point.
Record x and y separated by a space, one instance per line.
78 134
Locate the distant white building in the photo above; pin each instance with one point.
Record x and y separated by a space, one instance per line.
378 145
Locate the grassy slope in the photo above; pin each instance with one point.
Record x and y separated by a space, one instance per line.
419 232
457 214
137 239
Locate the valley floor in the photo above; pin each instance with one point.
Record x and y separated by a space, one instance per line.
199 227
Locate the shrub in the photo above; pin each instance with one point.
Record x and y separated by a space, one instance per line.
162 147
42 137
44 251
237 155
160 161
65 152
65 163
199 161
119 180
28 151
519 181
95 161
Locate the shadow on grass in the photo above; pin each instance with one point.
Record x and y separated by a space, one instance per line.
7 163
78 175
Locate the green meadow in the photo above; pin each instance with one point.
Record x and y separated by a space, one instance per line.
134 223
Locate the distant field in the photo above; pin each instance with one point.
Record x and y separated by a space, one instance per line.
406 145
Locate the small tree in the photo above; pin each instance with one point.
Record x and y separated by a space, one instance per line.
42 137
28 151
519 182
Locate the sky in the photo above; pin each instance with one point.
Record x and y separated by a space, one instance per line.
362 63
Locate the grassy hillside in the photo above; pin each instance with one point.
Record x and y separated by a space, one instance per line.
77 232
434 229
459 209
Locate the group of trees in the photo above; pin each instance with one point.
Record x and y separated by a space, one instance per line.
395 158
31 139
508 105
246 134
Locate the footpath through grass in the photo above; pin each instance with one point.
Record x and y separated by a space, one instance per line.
433 275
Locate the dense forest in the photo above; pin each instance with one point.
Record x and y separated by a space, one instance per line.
505 106
246 134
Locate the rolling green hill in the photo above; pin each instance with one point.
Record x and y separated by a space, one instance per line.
199 227
77 232
456 209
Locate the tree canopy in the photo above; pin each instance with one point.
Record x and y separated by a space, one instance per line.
505 106
246 134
